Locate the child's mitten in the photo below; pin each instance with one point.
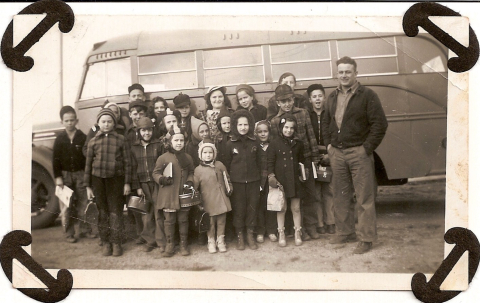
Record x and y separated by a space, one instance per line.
272 181
166 180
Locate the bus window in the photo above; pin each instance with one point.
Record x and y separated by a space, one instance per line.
167 71
422 56
233 66
304 60
108 78
374 56
118 76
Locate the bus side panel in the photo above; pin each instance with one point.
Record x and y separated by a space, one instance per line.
402 160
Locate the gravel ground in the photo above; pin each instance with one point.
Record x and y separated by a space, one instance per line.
410 221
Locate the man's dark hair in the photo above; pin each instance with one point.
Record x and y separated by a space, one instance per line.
347 60
67 109
313 87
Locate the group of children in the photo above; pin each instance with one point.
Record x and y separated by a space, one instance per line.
159 154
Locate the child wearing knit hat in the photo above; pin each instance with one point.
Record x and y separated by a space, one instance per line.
108 177
212 179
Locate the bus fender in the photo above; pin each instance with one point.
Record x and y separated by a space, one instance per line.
401 160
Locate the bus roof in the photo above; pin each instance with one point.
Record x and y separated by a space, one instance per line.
146 43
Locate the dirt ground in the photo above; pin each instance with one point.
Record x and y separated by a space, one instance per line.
410 221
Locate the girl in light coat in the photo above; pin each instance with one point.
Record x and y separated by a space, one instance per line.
209 178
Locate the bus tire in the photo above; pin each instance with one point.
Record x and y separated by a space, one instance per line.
45 208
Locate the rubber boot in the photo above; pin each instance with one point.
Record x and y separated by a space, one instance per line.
240 241
107 249
183 228
282 241
251 239
170 247
117 250
184 244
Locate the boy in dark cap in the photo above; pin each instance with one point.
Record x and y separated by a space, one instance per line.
136 92
183 104
136 110
108 178
68 170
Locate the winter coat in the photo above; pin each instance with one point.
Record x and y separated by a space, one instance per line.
258 111
167 196
209 180
144 158
244 153
283 158
364 122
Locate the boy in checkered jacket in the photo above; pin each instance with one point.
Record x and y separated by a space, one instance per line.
108 178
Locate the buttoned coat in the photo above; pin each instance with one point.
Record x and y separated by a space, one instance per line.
283 158
167 196
209 180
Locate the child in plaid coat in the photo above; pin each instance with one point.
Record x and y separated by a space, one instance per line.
108 177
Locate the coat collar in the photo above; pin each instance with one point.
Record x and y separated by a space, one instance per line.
112 133
236 138
138 143
293 111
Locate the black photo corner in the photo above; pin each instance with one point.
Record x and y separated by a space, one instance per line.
59 12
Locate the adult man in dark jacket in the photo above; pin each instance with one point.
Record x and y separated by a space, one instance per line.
354 126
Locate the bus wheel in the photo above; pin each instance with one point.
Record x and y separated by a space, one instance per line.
45 207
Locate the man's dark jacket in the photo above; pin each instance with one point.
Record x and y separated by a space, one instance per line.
364 122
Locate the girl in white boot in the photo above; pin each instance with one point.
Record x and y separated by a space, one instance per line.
209 178
284 154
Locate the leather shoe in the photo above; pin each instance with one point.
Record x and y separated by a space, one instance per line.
344 239
140 241
305 236
331 228
149 248
71 239
312 232
362 248
321 230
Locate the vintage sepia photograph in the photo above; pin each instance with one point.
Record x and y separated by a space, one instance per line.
241 154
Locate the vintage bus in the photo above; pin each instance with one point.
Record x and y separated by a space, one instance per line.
408 74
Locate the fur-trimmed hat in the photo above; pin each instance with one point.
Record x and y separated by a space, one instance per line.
136 86
206 143
109 112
